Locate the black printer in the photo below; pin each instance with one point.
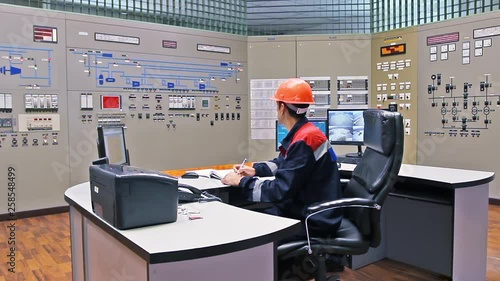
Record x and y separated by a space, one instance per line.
129 197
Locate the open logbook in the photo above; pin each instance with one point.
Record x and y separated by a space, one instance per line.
211 173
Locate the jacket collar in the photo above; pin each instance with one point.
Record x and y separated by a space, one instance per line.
285 143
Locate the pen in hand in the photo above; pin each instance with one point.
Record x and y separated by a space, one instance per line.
241 166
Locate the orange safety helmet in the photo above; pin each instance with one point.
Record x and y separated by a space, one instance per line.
294 91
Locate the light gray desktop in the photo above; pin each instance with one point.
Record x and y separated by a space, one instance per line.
436 219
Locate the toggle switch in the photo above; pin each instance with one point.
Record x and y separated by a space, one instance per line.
407 122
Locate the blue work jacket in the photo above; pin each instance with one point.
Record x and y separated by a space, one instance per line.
305 172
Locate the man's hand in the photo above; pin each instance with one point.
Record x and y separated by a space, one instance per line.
232 179
245 171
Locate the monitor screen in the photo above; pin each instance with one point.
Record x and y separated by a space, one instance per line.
112 144
281 130
346 126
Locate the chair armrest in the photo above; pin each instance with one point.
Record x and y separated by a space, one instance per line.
342 203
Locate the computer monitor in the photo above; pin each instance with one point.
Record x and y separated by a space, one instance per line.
346 127
111 145
281 130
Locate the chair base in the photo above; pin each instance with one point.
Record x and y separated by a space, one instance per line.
334 277
309 267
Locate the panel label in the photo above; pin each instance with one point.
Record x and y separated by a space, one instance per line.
443 38
117 38
214 49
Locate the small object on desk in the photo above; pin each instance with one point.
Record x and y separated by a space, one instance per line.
210 173
215 175
190 175
195 217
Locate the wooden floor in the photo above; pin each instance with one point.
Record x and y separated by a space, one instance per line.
44 253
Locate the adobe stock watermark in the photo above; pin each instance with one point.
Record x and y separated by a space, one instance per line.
11 210
354 47
250 148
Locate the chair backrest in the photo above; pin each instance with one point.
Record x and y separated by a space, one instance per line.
377 171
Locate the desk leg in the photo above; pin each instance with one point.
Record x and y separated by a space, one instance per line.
76 226
470 233
252 264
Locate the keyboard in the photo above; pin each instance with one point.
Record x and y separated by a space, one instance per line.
348 160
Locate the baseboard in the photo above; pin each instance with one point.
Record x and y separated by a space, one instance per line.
35 213
494 201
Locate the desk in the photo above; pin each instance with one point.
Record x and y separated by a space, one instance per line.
435 219
184 250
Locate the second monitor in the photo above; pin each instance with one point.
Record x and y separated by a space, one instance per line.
346 127
111 145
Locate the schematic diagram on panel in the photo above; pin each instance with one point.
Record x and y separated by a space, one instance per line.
29 68
463 112
114 70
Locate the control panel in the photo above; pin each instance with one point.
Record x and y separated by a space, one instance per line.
181 107
394 82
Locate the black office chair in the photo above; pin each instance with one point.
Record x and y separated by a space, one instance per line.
366 191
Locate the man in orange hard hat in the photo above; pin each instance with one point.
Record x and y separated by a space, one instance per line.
305 171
